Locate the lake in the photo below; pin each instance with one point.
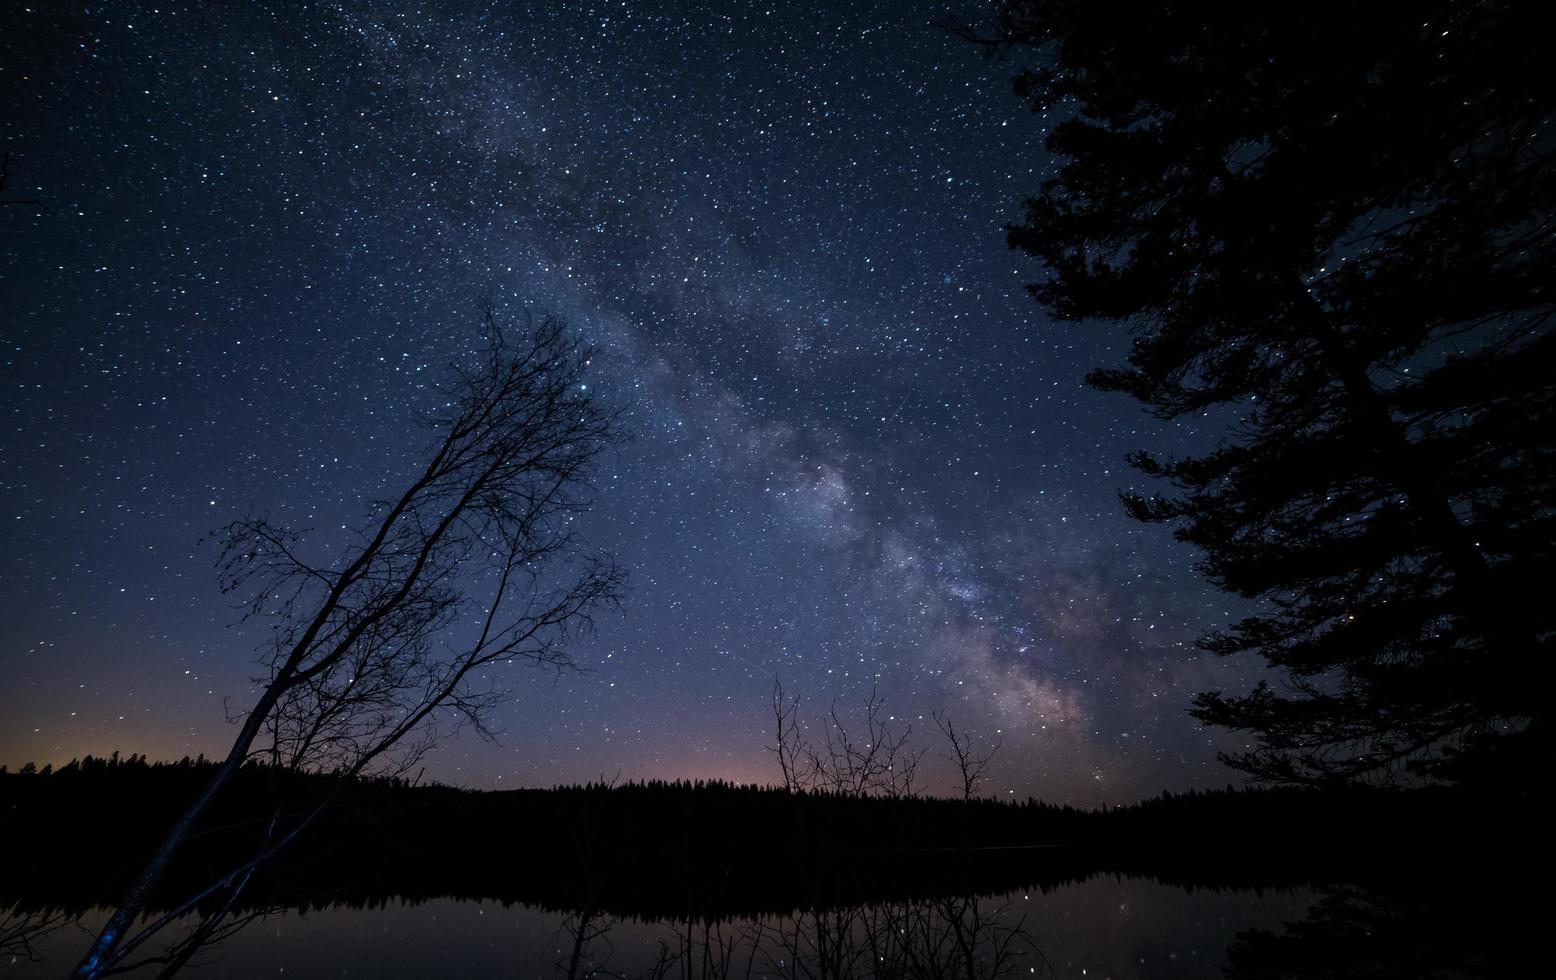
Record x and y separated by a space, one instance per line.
1104 927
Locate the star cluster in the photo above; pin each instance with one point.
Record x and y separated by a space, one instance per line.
862 457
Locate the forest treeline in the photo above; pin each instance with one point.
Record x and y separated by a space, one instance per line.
705 848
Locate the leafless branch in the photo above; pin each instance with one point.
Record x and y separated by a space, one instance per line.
971 767
378 656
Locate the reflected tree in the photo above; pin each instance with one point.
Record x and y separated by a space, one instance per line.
22 929
955 938
1452 925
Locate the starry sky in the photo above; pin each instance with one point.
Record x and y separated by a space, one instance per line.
862 456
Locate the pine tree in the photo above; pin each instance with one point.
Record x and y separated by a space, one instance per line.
1335 226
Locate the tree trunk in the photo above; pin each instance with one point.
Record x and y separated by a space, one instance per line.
100 956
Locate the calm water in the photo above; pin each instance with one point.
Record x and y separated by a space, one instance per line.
1102 928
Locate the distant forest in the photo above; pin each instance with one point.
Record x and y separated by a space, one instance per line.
709 849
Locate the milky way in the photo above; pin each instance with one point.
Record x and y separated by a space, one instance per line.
862 455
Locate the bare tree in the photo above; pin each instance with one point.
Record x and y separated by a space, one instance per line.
874 761
971 767
955 937
22 929
789 746
383 652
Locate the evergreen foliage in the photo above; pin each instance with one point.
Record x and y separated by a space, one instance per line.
1333 225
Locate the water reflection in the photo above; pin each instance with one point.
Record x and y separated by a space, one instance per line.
23 932
1484 922
1106 927
1427 925
960 937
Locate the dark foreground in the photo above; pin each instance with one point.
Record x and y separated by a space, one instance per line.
735 881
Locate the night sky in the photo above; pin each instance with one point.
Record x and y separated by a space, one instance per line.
862 455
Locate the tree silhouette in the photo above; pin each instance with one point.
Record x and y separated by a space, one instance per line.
1334 227
388 649
874 759
971 767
